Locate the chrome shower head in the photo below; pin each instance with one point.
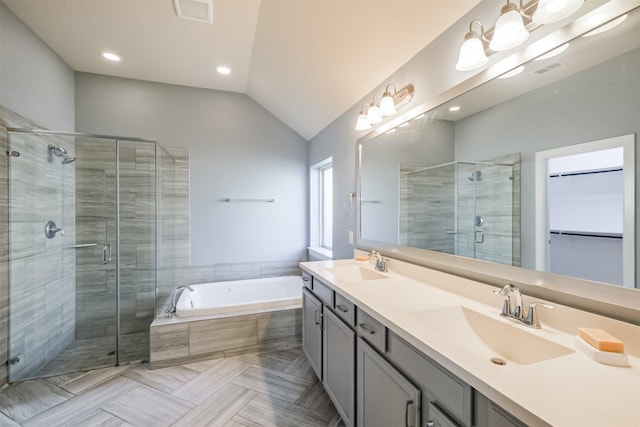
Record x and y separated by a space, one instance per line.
59 151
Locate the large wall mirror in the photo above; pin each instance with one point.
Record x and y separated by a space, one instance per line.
464 178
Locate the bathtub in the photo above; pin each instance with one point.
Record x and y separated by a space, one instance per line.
208 299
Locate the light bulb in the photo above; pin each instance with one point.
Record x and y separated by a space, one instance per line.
472 54
373 114
362 123
387 106
509 30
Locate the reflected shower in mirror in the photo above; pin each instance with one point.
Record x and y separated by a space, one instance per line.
586 92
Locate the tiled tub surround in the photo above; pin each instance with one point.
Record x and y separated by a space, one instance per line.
176 341
569 390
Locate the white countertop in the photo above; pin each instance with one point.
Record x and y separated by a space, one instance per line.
570 390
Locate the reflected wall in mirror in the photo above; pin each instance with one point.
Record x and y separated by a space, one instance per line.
589 91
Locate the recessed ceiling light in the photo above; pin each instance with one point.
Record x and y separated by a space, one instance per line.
223 70
454 108
512 73
111 56
606 27
554 52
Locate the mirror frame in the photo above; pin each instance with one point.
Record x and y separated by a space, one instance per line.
609 300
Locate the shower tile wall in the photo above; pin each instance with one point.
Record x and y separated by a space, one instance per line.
427 199
42 284
96 223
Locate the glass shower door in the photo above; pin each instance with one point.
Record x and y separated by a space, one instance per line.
62 241
493 213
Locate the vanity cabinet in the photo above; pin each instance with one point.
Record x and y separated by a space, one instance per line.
329 342
339 365
384 396
375 378
488 414
312 330
446 399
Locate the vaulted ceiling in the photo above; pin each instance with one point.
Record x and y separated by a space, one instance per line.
305 61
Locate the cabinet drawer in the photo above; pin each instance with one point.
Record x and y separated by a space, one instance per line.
307 280
439 386
437 418
323 292
371 330
345 309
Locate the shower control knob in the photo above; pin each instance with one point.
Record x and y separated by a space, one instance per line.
50 230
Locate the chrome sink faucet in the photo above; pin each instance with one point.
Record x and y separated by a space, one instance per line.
381 262
517 312
507 311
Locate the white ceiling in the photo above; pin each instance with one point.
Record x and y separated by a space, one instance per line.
305 61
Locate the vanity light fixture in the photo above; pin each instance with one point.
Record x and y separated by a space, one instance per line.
390 102
509 31
362 123
549 11
373 113
472 54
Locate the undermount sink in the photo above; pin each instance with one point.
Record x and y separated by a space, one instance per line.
355 273
488 337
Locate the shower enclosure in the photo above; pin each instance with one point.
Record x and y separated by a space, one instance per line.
82 251
462 208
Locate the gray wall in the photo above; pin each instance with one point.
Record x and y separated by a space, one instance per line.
588 112
236 150
34 81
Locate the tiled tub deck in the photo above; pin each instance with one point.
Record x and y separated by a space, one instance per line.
175 341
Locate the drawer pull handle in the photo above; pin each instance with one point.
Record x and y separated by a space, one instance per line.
364 328
342 308
429 424
318 316
406 412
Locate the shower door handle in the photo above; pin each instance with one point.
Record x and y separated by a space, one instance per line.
106 254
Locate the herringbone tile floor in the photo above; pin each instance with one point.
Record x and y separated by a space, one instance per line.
276 388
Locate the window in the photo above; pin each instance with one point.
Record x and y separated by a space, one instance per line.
321 220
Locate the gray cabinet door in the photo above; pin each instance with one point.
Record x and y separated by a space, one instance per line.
339 365
312 330
384 396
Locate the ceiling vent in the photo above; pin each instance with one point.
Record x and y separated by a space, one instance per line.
548 68
195 10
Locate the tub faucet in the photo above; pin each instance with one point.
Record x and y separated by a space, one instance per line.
174 296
